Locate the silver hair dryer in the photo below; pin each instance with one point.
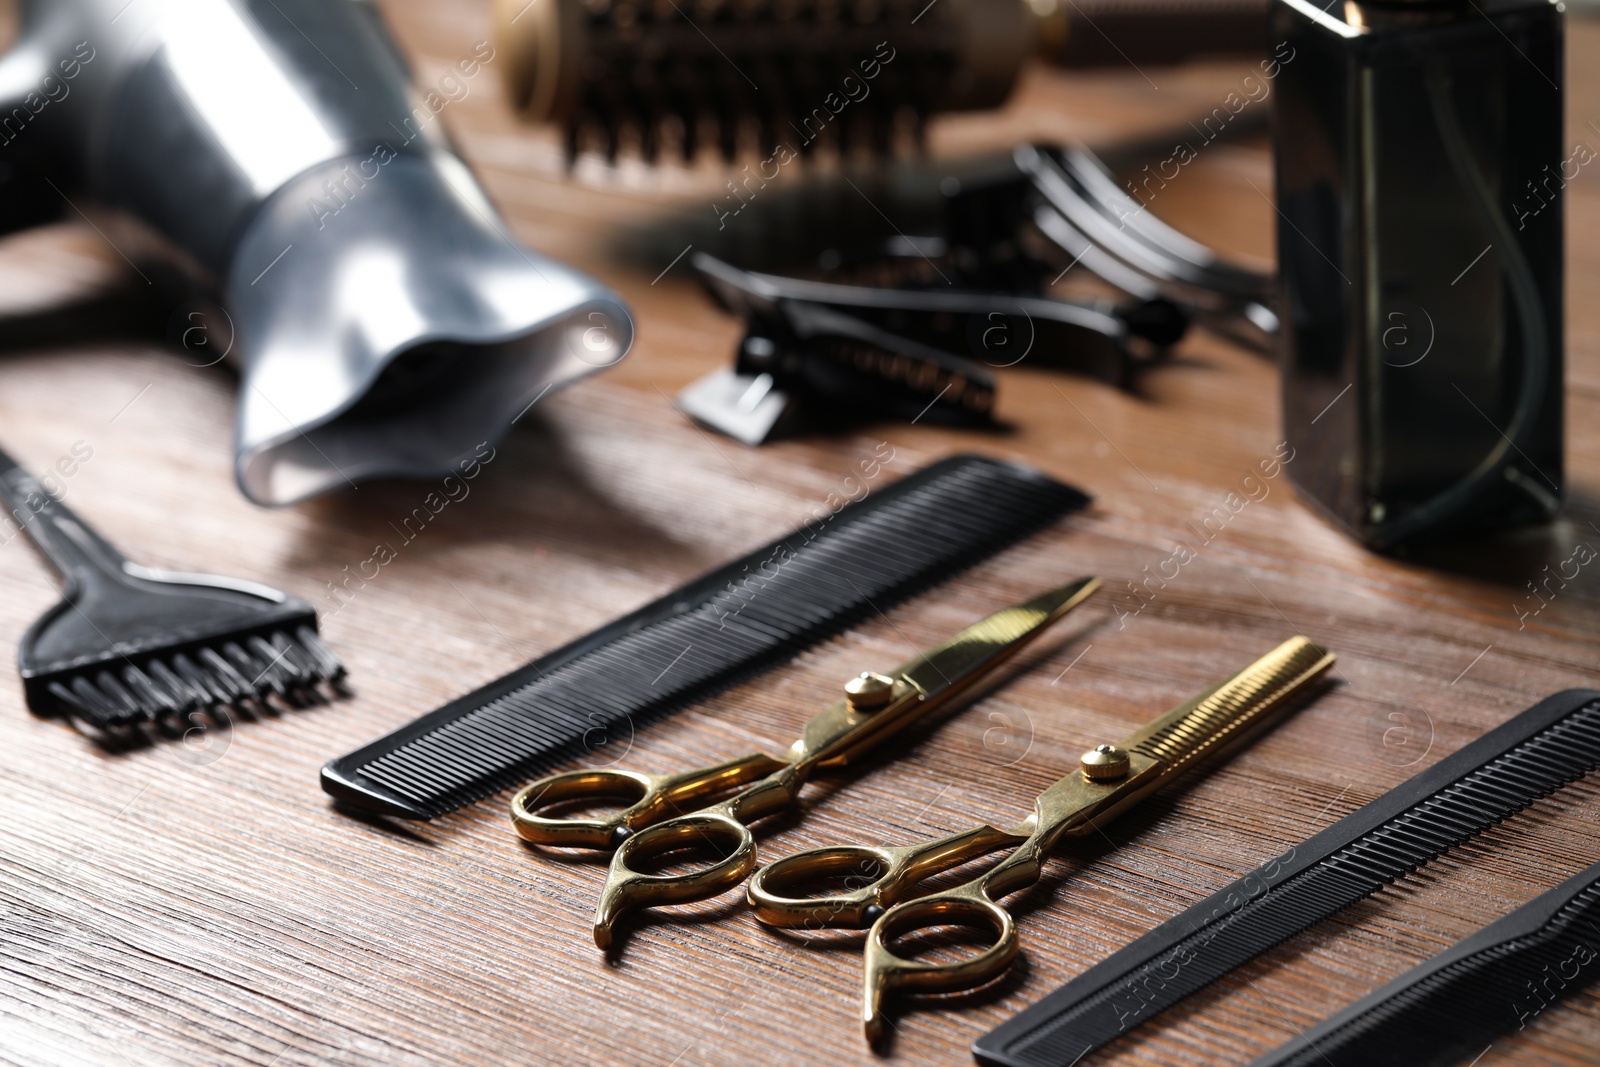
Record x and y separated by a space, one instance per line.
384 322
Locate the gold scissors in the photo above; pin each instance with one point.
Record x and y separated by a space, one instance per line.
1108 780
875 707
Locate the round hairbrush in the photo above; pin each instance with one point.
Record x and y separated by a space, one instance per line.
784 76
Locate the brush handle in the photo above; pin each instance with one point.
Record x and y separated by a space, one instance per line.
82 556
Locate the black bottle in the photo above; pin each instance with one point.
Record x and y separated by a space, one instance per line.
1420 167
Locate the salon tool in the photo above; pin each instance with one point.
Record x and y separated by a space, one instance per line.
129 644
1097 338
383 319
809 363
858 73
1108 780
1023 223
844 351
1452 1007
704 636
1552 743
1079 206
1419 159
660 817
912 330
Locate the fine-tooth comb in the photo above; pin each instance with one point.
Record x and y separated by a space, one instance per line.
1547 746
701 638
130 644
1452 1007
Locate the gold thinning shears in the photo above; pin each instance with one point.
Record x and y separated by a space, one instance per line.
658 820
1108 780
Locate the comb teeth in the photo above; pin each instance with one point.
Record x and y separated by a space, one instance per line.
1450 1006
1466 794
145 688
702 638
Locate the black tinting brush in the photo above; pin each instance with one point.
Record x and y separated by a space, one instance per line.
129 644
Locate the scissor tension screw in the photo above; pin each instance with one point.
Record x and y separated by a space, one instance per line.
1104 763
869 691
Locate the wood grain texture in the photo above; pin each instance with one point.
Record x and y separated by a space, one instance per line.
199 902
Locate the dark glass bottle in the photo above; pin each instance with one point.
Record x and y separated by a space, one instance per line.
1419 165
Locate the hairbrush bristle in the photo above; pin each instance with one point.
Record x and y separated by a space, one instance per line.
775 78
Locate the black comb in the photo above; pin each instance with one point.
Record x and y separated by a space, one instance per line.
1454 1005
703 637
1545 747
130 644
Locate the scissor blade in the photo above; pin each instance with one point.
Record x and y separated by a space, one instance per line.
1219 716
1222 716
986 643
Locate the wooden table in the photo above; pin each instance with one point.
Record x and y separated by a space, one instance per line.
203 903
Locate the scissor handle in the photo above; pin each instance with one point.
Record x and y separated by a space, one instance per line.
650 798
887 973
627 889
882 877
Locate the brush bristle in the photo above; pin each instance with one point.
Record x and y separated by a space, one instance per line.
758 75
155 686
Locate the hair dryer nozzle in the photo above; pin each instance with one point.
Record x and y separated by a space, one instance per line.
388 325
384 320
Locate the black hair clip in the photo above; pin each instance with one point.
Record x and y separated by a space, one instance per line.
912 328
827 352
810 363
